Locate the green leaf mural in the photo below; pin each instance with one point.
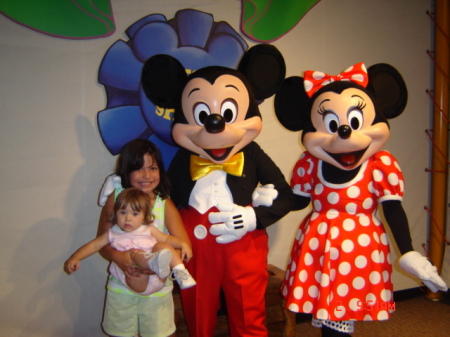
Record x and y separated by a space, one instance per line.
72 19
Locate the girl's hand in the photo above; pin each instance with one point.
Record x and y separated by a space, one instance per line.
186 252
71 266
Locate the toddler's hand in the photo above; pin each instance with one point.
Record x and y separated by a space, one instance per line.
71 266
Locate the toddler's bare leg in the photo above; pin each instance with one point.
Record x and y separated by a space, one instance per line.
137 284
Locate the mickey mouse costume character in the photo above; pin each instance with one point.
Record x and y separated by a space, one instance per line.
213 177
340 265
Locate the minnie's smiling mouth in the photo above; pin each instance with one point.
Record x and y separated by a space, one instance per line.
348 159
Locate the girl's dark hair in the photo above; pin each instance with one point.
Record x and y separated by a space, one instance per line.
138 201
131 158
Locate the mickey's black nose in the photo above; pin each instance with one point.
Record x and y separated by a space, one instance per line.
214 123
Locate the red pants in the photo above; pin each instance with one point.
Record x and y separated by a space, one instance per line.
238 268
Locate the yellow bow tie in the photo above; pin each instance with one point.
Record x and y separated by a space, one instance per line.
200 167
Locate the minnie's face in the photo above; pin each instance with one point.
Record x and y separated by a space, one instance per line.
345 135
216 112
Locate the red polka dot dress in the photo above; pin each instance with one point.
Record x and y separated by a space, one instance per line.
340 267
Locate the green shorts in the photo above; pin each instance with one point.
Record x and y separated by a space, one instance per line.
129 315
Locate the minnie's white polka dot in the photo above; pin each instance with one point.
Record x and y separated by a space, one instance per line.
340 311
353 192
291 280
381 257
318 75
314 216
386 160
294 307
351 208
324 281
303 275
293 266
334 233
386 276
364 240
376 237
307 187
364 220
344 268
348 246
327 246
313 243
322 314
393 179
333 198
298 293
317 205
313 291
332 214
378 175
342 290
375 277
334 253
370 187
382 315
386 295
355 304
368 203
371 298
375 256
384 239
358 282
361 261
318 189
348 225
368 318
308 259
332 274
301 171
318 276
307 307
322 228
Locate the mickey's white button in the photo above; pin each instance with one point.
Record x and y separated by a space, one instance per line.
200 232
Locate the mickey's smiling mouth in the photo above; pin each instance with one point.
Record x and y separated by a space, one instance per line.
219 154
348 159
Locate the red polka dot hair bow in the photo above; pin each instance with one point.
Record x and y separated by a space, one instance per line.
314 80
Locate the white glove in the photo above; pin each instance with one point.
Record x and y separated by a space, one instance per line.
233 222
264 195
111 183
419 266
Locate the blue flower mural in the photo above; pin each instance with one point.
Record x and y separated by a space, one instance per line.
193 37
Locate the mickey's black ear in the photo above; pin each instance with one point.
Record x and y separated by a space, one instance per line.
163 78
388 88
291 103
264 67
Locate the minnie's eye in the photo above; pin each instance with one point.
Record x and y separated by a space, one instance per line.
331 122
355 120
201 112
229 111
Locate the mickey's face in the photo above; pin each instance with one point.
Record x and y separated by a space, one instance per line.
216 127
345 135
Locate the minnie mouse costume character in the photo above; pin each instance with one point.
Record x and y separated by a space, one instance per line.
214 176
340 265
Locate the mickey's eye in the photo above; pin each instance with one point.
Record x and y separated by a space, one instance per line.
229 110
331 122
201 112
355 119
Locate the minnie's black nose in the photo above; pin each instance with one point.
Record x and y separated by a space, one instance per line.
344 131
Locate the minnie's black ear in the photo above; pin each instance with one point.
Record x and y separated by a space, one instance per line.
264 67
388 88
163 78
291 104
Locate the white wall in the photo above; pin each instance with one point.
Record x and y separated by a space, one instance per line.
53 160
